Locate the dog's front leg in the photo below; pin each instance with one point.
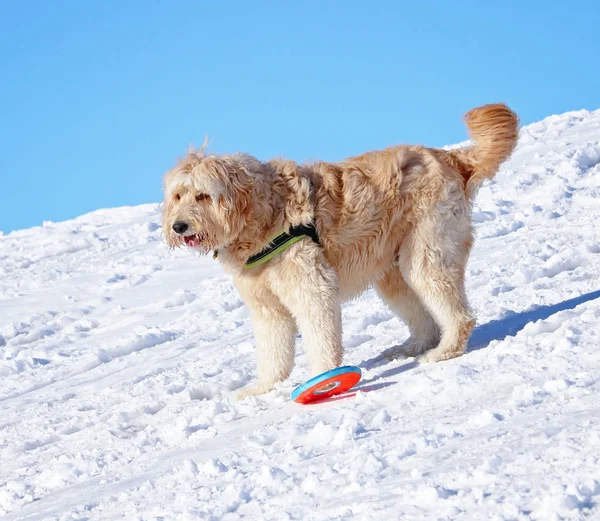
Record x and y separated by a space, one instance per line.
310 290
275 337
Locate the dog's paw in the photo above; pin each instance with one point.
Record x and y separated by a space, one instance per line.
410 348
439 355
254 389
396 354
415 349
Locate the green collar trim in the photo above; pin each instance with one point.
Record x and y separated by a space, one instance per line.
281 243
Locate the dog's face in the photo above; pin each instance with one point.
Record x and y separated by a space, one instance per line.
207 200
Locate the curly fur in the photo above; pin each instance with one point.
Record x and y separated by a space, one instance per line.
398 219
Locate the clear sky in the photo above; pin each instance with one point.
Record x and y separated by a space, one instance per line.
98 99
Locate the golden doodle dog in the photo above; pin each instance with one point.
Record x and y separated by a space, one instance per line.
300 239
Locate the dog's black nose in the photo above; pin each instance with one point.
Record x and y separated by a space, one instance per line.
180 227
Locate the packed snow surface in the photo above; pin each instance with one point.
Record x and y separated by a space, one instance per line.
118 359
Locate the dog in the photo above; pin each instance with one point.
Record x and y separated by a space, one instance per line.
398 219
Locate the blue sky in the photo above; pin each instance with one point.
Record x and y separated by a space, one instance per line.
98 99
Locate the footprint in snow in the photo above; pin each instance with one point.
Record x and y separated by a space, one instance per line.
117 277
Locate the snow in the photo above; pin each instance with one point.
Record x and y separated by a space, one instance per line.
118 358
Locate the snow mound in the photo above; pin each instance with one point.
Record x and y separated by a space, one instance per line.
117 359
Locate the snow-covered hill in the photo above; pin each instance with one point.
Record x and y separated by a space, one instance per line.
117 358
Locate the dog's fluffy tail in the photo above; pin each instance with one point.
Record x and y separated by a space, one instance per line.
494 129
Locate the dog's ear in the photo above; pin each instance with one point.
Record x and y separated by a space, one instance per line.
239 190
298 205
234 197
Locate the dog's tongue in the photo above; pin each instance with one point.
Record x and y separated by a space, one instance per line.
192 241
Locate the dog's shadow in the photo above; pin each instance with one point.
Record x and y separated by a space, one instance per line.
511 324
499 329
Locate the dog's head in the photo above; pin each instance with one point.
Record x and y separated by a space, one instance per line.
208 200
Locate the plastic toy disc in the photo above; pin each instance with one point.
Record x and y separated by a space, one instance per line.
327 384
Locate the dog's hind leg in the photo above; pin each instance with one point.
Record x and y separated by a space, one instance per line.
433 261
402 300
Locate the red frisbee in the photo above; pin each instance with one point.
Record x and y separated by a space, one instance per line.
329 383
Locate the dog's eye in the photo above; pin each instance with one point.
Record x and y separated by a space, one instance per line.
201 197
177 197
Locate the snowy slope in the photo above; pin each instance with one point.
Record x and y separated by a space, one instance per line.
117 358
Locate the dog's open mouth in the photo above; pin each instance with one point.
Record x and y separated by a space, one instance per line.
193 241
